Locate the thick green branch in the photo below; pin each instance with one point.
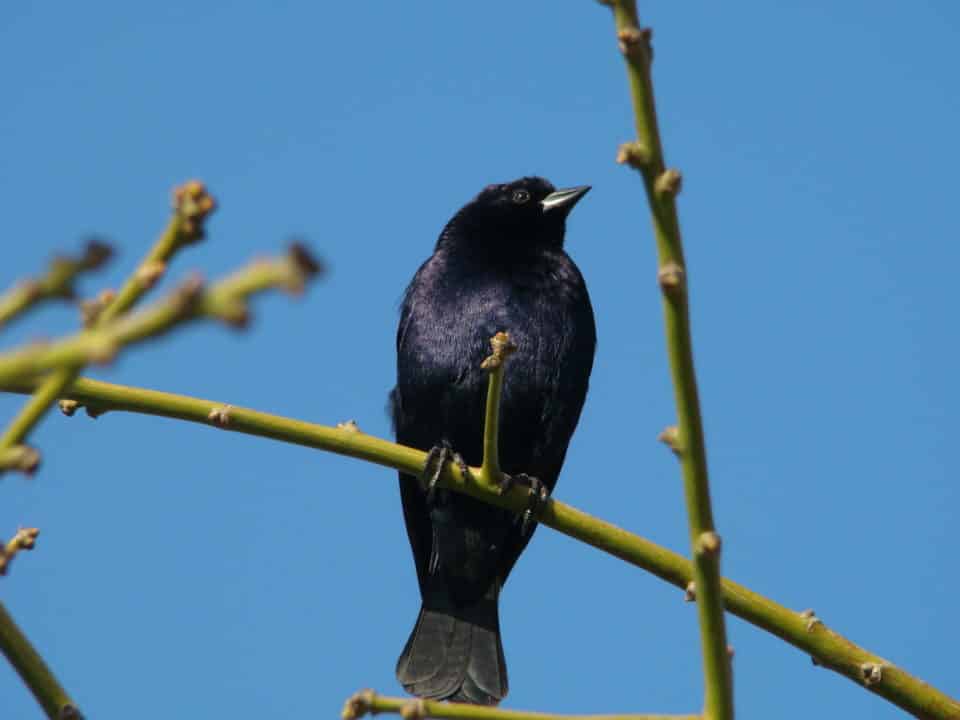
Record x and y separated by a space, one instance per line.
34 671
662 186
56 283
367 702
828 648
191 207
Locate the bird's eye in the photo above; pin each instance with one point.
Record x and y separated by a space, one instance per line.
520 196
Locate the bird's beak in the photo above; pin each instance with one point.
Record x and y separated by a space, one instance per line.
562 201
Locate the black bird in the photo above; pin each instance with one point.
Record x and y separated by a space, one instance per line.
499 265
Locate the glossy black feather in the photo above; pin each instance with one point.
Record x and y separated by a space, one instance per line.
499 264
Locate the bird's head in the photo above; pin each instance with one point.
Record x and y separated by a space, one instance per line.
526 213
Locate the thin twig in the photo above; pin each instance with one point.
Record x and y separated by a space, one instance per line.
23 539
56 283
226 301
192 205
367 702
662 186
502 349
827 647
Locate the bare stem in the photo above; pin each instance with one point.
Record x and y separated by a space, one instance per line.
662 186
367 702
56 283
23 539
54 700
828 648
502 349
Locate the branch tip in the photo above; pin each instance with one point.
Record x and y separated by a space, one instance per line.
95 254
193 204
502 349
24 539
690 592
309 265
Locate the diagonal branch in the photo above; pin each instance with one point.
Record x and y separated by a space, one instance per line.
662 186
367 702
802 630
51 696
57 282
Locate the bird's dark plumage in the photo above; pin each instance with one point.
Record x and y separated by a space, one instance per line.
499 265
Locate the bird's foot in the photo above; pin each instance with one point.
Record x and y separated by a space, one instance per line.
537 494
437 457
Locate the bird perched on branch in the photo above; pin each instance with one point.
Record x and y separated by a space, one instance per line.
499 265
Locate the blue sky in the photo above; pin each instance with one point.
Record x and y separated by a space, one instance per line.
183 572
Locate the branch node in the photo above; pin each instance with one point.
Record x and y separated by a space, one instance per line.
349 426
812 620
671 277
708 543
690 592
635 44
90 309
502 349
669 182
21 458
220 415
635 154
148 273
871 673
414 710
670 436
358 705
69 407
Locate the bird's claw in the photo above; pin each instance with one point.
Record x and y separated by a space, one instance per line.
537 496
437 457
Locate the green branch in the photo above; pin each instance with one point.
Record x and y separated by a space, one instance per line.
662 186
54 700
826 647
502 349
367 702
23 539
191 207
226 301
56 283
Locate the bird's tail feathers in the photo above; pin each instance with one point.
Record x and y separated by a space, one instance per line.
454 652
